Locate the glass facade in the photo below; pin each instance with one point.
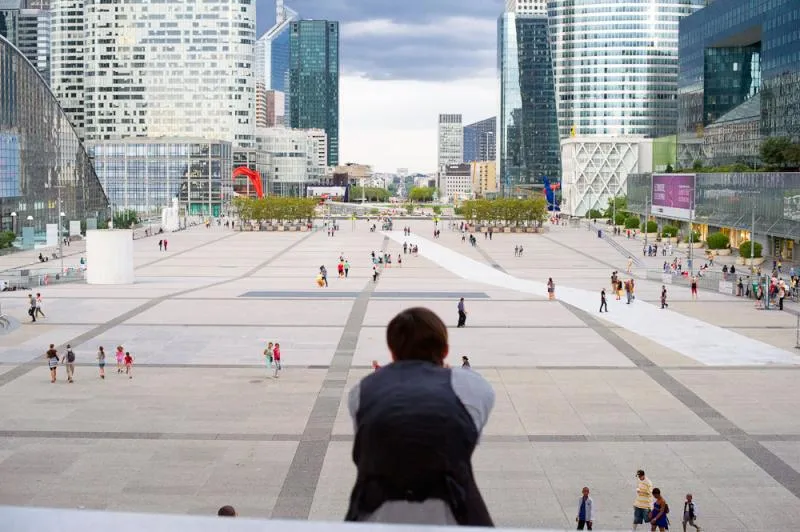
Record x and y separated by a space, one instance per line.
34 39
731 53
170 69
528 130
145 174
41 156
479 141
9 20
616 66
313 90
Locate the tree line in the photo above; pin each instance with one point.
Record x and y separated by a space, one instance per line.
509 210
275 208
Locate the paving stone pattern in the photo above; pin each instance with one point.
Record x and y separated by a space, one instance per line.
202 423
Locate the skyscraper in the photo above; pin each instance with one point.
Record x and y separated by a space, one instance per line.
34 38
479 141
451 141
616 69
67 59
528 129
186 74
272 50
313 89
9 19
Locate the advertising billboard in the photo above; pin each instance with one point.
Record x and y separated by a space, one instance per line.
673 196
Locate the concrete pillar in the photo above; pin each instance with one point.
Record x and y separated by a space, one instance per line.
109 256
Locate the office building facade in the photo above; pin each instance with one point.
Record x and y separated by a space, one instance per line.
739 80
451 140
272 50
484 178
293 159
313 90
479 141
528 130
41 156
33 39
9 19
616 69
180 69
145 174
67 59
456 182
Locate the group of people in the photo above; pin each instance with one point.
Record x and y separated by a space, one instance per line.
35 306
518 251
272 357
124 362
162 244
413 249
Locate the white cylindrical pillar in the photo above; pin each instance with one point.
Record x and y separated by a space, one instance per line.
109 256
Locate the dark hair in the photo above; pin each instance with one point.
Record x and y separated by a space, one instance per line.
640 472
417 334
656 492
226 511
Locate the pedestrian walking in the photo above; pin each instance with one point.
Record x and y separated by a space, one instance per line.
52 362
630 265
165 244
375 365
694 288
603 305
101 362
32 307
658 516
323 271
340 270
585 510
690 513
161 245
465 362
551 289
268 356
664 297
520 251
628 293
462 314
69 362
643 501
276 360
120 356
128 365
516 251
39 305
346 269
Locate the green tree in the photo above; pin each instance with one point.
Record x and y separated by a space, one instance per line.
773 151
650 227
792 155
437 209
632 222
7 239
621 206
125 219
718 241
421 194
669 231
744 250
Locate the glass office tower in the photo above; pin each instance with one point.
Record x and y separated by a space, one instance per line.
528 129
479 141
41 156
739 66
616 66
313 89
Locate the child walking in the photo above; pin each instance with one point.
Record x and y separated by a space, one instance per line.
120 354
276 357
101 362
268 356
128 365
690 513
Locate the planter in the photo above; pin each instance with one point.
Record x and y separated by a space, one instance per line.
530 230
506 229
695 245
270 228
303 228
722 252
281 228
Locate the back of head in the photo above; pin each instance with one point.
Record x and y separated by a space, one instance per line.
417 334
226 511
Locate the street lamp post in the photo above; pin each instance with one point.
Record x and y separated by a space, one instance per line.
646 217
14 222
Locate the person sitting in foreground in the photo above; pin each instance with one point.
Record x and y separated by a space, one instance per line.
417 424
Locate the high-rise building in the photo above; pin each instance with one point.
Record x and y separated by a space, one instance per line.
34 38
739 81
272 50
183 69
479 141
294 158
528 129
9 19
313 90
451 140
274 106
67 59
616 68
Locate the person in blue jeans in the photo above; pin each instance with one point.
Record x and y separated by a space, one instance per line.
585 510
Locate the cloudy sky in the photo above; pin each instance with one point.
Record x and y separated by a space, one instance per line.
402 63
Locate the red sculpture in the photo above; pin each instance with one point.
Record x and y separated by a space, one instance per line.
253 176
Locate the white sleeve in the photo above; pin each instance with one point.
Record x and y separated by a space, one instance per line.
475 393
353 400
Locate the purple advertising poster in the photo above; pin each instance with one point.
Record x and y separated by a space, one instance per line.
673 195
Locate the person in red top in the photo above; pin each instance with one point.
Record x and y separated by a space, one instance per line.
276 360
340 267
128 365
375 365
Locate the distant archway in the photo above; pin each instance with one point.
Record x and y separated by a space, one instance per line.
253 176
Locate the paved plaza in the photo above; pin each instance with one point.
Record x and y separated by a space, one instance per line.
703 396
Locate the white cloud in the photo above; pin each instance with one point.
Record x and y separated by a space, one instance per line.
465 28
392 124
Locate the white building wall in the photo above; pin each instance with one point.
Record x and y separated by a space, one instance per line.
170 69
451 140
67 66
292 152
595 169
457 188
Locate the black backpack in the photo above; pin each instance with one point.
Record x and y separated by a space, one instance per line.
70 356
